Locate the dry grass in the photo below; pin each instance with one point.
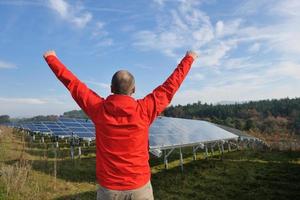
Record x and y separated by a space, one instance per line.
280 141
14 177
25 176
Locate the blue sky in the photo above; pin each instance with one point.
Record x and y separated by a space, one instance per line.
249 50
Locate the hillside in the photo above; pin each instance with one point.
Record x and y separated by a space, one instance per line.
30 170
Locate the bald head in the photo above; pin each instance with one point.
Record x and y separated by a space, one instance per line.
123 83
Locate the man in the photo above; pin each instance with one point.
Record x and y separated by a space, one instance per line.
122 127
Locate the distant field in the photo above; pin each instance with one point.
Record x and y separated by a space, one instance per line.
27 171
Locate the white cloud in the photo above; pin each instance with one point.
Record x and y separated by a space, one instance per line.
247 77
72 14
287 8
105 42
213 55
219 28
99 84
253 7
160 2
77 15
31 101
188 28
278 81
285 69
22 3
282 33
243 63
24 101
99 30
226 29
102 35
26 107
237 92
7 65
196 77
254 48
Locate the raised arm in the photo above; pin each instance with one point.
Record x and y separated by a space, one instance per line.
155 102
87 99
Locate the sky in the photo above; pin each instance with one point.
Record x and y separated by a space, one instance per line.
248 50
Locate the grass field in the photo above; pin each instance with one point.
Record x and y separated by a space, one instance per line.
27 171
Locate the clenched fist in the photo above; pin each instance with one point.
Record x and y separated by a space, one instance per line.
49 53
192 53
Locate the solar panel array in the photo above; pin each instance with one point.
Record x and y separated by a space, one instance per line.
165 132
63 127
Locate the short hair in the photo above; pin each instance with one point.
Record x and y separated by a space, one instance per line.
122 82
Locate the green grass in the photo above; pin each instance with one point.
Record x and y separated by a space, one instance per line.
235 177
239 175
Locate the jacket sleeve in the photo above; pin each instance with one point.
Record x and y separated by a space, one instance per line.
155 102
87 99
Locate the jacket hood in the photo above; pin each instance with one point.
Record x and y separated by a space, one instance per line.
120 105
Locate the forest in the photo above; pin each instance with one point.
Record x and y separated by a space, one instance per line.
276 116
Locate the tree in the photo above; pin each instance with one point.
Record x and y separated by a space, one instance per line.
75 114
297 125
249 124
4 119
238 124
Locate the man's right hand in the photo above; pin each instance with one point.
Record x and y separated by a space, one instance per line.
49 53
192 53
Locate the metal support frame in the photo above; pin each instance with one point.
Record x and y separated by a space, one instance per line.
72 145
195 148
72 152
232 144
252 144
166 154
212 149
79 152
229 147
222 147
181 159
219 147
206 151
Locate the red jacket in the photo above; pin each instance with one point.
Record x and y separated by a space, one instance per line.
122 125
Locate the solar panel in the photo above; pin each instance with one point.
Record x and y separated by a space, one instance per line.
79 127
76 129
31 127
57 128
85 134
83 120
71 124
92 130
40 127
168 132
237 132
88 125
165 132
